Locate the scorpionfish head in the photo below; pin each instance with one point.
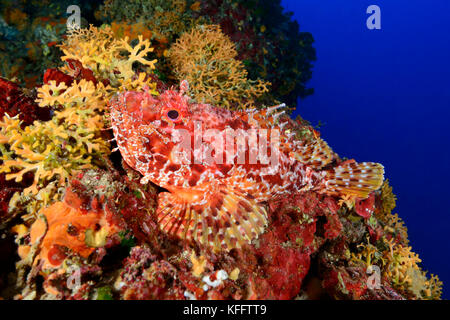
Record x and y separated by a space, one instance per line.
162 113
145 125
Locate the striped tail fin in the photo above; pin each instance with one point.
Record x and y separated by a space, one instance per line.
356 179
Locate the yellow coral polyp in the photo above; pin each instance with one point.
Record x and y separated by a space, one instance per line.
347 199
198 264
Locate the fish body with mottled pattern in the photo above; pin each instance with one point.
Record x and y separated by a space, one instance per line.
221 203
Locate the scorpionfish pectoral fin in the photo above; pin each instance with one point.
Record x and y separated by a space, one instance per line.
225 220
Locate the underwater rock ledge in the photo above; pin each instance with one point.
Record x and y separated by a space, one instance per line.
78 223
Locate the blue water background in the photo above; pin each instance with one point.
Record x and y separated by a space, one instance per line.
384 96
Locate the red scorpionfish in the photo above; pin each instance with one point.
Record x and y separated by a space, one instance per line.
222 203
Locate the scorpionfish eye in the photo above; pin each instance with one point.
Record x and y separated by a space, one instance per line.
173 115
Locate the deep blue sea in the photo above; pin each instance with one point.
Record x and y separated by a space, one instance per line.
384 96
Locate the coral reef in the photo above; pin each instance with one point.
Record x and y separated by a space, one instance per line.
400 266
161 22
260 29
29 32
78 222
51 150
264 33
70 238
110 59
164 20
313 248
15 101
70 132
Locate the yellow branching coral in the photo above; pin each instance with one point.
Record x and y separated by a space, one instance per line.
405 271
107 56
73 139
348 200
138 82
169 21
206 58
30 204
388 198
433 287
51 150
399 262
83 94
402 266
172 20
396 226
368 254
392 222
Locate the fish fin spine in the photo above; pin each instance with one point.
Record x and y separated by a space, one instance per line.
227 220
316 154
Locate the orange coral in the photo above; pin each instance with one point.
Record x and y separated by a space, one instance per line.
16 17
165 19
123 29
63 227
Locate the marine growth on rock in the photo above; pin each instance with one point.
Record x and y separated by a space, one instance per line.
154 158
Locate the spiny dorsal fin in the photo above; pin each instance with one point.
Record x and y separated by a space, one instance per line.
227 220
266 117
316 154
